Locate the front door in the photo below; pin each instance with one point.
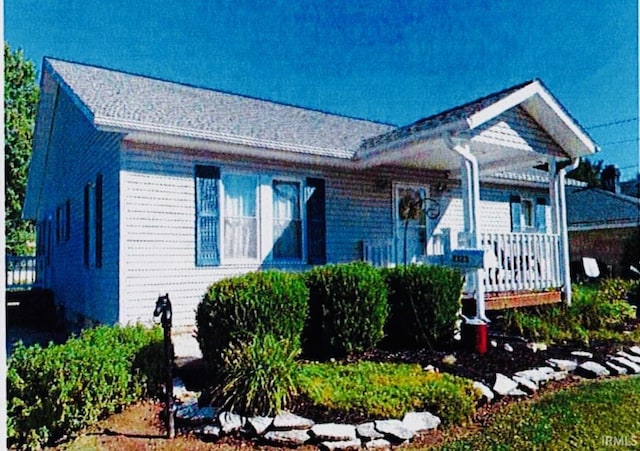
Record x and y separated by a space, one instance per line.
410 223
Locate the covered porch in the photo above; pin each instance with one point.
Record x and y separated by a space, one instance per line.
521 136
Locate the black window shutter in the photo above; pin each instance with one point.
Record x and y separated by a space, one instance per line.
516 213
316 222
86 224
541 220
99 221
67 232
207 216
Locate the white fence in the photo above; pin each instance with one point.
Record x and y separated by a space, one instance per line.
22 272
512 261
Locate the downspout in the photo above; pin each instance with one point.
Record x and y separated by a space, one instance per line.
564 232
471 199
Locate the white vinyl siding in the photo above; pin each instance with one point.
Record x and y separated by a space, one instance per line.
77 154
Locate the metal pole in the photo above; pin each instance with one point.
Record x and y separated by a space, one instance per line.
163 308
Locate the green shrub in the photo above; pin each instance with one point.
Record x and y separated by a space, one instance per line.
603 307
424 302
234 310
347 309
387 390
258 377
59 389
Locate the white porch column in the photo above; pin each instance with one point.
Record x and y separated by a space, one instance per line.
565 263
471 204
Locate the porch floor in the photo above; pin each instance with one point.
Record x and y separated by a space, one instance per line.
501 301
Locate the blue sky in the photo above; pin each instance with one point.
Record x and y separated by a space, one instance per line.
386 60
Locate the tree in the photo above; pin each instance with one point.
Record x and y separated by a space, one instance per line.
20 104
588 172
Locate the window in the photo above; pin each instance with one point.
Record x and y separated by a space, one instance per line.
93 223
527 215
240 218
207 216
63 222
287 221
248 218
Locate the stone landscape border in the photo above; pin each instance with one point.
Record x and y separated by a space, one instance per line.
289 430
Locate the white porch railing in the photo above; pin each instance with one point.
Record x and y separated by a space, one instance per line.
22 272
512 261
520 261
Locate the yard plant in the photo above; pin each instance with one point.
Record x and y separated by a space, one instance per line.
55 390
424 303
235 310
387 390
347 309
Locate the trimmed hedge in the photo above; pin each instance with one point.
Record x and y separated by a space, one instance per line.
347 309
59 389
424 302
235 310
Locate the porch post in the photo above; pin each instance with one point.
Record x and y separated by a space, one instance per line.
564 230
471 203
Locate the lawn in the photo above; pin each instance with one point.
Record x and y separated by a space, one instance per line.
592 415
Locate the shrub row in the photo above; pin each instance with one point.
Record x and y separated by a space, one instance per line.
58 389
333 310
251 327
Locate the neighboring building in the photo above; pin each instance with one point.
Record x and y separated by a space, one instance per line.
631 187
602 225
142 187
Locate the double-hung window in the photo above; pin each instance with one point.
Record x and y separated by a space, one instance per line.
528 215
240 217
287 220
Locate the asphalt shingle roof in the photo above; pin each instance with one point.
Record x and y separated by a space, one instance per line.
595 206
139 103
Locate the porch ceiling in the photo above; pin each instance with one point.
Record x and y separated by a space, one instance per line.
434 154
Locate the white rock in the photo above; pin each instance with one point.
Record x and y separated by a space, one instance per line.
559 375
230 422
367 431
449 359
503 385
585 354
538 346
420 421
259 424
210 432
292 437
288 420
628 364
525 384
633 358
563 365
635 350
538 375
334 432
191 413
494 344
593 369
394 430
517 392
508 347
341 445
616 369
430 369
378 443
486 391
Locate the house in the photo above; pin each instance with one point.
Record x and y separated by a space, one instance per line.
605 225
141 187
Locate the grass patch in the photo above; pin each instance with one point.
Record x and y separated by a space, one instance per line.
385 390
589 416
